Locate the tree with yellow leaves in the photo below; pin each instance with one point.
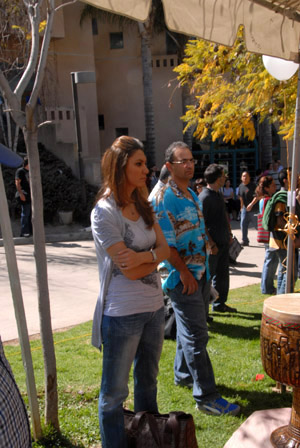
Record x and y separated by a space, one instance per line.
231 87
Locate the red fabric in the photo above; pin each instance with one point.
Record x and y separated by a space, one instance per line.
263 235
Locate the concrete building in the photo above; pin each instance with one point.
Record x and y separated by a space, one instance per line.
111 106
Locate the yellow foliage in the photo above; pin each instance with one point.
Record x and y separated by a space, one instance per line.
231 87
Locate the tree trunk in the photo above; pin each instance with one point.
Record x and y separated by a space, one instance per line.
186 100
51 398
148 93
266 143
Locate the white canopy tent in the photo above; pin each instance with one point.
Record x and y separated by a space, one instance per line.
271 27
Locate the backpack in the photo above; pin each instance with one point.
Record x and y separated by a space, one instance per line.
269 218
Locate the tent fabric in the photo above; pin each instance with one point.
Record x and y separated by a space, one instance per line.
9 158
266 31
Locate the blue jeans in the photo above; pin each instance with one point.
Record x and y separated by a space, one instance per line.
269 271
192 363
246 219
219 270
281 276
26 225
135 338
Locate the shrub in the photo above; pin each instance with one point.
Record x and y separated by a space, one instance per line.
61 189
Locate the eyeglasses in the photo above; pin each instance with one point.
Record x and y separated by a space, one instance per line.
185 162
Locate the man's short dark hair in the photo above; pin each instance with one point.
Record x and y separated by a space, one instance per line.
283 175
169 154
213 172
25 162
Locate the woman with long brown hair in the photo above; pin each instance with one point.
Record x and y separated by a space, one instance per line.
129 315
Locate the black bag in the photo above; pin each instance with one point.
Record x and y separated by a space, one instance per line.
170 321
146 430
235 248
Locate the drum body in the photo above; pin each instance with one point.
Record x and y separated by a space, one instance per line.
280 354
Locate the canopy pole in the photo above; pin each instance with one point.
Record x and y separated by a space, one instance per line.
16 291
292 194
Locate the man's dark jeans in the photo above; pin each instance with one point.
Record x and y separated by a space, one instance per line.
219 271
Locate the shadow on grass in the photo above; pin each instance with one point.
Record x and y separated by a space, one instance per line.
55 439
235 331
258 400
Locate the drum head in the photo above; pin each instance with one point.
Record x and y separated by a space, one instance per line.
284 308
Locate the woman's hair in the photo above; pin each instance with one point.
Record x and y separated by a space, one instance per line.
113 166
264 182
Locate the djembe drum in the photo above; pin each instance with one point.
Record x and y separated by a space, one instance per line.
280 354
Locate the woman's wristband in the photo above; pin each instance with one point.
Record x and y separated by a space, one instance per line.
154 256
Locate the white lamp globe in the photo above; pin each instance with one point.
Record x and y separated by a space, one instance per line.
280 68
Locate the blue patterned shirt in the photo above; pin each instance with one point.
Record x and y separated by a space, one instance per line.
181 220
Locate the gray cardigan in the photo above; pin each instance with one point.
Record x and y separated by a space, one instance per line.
106 212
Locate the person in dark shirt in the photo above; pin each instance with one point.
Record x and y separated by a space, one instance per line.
247 194
217 224
23 194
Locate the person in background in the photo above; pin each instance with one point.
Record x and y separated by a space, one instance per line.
284 178
232 205
265 190
275 174
14 422
180 216
129 315
258 174
153 178
247 194
279 166
162 180
268 170
199 185
217 224
23 195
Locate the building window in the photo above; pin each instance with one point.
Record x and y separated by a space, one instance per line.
68 115
101 122
60 115
121 131
94 26
116 41
170 45
52 114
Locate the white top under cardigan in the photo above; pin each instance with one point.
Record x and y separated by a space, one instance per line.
109 227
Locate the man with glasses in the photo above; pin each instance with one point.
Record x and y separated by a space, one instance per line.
217 223
180 216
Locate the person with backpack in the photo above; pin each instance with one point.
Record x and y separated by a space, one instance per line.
265 190
274 220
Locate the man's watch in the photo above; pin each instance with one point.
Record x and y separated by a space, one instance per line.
154 256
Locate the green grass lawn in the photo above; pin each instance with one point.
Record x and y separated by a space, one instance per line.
234 349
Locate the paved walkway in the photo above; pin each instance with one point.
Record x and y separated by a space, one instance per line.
73 277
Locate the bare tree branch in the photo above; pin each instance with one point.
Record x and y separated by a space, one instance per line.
34 16
43 55
65 4
12 100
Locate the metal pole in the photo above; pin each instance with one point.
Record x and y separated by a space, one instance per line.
78 138
292 193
